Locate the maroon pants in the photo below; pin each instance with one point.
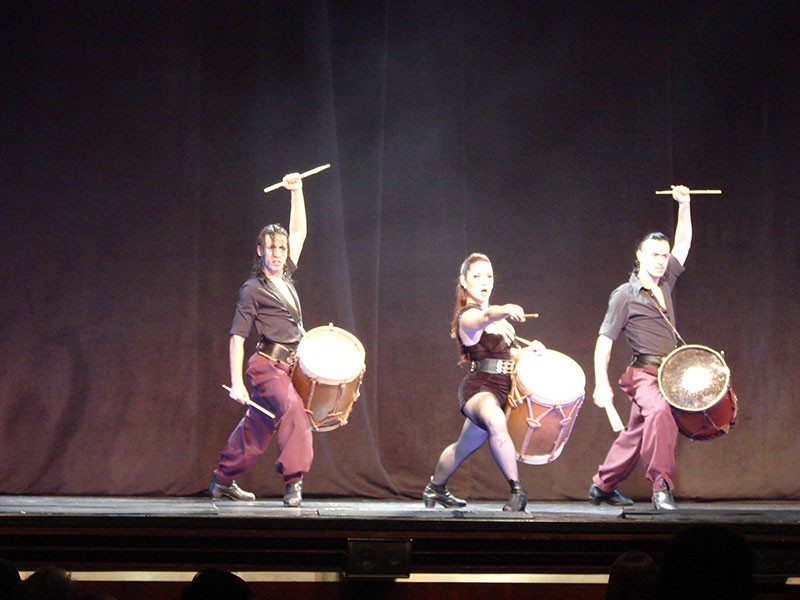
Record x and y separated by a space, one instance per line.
650 435
272 388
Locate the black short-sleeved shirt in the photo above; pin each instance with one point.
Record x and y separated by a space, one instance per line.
262 306
633 310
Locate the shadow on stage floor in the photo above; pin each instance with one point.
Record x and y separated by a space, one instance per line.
371 539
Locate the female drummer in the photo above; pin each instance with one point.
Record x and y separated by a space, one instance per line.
485 337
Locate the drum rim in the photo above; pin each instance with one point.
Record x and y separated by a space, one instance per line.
347 334
528 393
325 380
722 392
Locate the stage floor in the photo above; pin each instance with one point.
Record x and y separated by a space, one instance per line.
205 507
370 538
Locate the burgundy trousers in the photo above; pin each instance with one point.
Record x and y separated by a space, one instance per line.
650 435
271 388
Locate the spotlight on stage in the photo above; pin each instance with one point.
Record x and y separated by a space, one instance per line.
377 559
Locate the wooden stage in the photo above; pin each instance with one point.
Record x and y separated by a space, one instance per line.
333 541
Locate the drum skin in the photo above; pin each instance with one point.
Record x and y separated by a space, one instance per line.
695 380
546 394
327 375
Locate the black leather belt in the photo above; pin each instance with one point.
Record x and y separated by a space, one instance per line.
276 351
493 365
640 361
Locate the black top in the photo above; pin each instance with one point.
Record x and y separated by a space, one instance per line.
632 309
260 304
495 340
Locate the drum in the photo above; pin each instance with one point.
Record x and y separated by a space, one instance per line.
697 384
547 392
327 375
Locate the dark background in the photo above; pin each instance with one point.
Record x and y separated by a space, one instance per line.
137 139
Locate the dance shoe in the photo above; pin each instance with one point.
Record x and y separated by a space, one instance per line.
293 496
232 491
439 493
614 498
519 497
663 500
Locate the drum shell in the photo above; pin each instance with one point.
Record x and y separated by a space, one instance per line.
710 423
547 393
328 388
714 409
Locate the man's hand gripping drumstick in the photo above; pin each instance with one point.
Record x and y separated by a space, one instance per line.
248 402
603 395
281 184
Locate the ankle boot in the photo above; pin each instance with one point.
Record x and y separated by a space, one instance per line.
293 494
519 497
439 493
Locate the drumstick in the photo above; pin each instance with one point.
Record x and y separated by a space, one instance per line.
692 191
306 174
254 405
531 315
613 417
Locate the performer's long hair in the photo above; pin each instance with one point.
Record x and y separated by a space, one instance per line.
461 296
271 231
653 235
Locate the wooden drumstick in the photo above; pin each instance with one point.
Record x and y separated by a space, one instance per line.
531 315
254 405
613 417
313 171
692 192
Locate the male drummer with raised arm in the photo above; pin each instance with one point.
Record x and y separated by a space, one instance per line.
640 309
269 302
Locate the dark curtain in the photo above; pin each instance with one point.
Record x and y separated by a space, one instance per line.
137 139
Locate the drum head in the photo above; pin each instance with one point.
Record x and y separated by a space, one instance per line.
330 355
693 378
550 378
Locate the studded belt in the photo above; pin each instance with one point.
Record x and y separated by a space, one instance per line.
493 365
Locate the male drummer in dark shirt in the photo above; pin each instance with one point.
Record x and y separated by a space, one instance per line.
651 432
269 302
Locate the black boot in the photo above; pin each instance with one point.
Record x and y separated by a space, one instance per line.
519 497
439 493
614 498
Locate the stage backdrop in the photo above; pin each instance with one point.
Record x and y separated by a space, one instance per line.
137 139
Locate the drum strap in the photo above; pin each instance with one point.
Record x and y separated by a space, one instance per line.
666 318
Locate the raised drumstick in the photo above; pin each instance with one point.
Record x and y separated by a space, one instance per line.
692 192
306 174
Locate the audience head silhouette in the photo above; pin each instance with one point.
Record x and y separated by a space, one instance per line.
707 562
48 583
9 580
633 576
217 584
